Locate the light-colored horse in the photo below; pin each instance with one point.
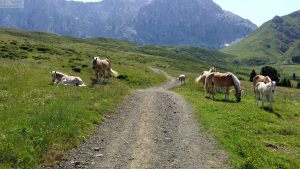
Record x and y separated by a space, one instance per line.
216 79
102 66
58 77
260 78
202 77
181 79
265 91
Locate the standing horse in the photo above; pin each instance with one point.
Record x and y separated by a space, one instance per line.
102 66
203 75
265 91
223 80
181 79
260 78
58 77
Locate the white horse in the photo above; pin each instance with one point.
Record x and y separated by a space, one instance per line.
58 77
181 79
266 92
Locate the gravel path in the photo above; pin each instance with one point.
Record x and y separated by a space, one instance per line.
154 128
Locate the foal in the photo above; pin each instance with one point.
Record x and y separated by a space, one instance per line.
265 92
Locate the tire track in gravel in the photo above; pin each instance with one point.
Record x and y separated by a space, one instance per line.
153 128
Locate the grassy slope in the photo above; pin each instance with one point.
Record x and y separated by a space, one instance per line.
39 121
268 44
254 138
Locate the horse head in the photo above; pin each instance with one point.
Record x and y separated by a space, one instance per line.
53 73
273 86
94 62
238 95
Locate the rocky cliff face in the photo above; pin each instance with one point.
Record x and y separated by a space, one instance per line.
169 22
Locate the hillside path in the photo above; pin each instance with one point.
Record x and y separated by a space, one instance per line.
153 129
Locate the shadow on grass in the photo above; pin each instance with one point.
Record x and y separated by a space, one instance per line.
221 100
270 110
95 82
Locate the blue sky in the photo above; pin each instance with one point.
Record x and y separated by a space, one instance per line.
257 11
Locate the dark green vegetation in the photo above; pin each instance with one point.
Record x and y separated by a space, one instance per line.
276 41
253 137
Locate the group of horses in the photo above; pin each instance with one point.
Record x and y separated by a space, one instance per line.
213 81
101 67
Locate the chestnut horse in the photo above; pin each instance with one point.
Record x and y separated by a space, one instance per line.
225 80
102 66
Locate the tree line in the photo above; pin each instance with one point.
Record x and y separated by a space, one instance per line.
275 76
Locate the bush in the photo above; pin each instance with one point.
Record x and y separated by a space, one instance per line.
298 85
271 72
252 75
285 83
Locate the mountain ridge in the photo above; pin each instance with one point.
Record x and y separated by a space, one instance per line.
185 23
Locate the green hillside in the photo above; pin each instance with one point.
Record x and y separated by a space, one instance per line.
39 121
276 41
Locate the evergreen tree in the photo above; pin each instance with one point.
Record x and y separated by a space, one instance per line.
294 76
271 72
252 75
298 85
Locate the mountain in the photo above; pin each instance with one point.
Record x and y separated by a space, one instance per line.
167 22
277 40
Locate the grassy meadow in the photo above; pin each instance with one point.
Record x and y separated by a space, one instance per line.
40 121
253 137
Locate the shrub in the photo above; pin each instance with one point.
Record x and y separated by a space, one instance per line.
298 85
271 72
252 75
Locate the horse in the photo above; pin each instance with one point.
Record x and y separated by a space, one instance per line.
203 75
260 78
102 66
265 91
225 80
181 79
58 77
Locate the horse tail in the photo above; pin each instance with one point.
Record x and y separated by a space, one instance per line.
113 73
197 80
236 81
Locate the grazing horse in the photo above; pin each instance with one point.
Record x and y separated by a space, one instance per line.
203 75
265 91
223 80
260 78
102 66
58 77
181 79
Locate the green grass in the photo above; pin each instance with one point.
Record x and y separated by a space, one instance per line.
254 138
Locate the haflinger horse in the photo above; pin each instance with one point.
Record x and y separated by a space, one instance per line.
58 77
226 80
260 78
181 79
102 66
265 91
203 75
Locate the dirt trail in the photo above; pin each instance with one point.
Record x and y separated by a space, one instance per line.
154 128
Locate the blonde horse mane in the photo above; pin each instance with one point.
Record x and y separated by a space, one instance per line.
236 81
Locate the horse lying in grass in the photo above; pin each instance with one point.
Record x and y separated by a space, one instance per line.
181 79
225 80
102 66
58 77
266 92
